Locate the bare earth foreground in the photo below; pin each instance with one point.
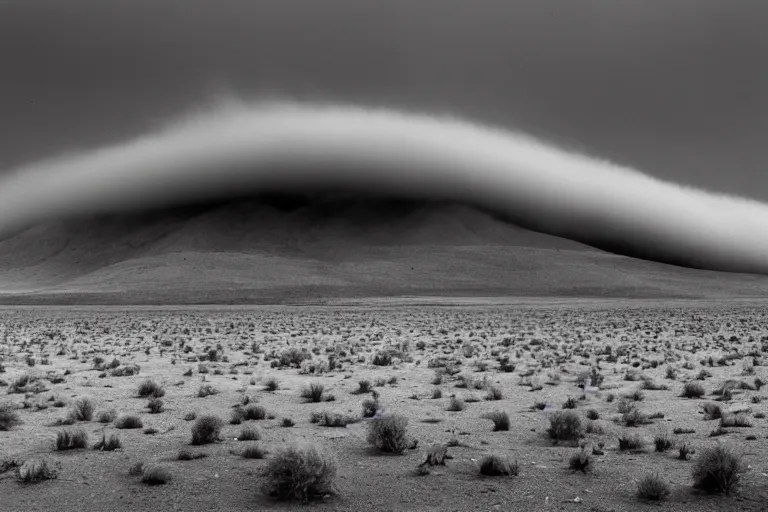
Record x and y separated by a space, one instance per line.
493 356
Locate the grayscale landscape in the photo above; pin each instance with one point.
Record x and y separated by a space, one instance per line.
344 255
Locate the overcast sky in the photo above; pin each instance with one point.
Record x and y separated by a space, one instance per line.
677 88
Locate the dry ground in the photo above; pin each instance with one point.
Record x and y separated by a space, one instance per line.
530 354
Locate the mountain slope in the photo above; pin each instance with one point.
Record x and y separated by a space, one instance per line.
291 248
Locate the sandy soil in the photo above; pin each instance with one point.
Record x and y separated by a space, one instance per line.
549 345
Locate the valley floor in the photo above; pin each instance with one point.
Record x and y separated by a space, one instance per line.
520 356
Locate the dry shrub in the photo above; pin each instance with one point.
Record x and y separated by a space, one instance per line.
301 472
718 469
389 434
206 429
494 465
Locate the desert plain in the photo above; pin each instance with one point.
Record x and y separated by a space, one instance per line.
522 405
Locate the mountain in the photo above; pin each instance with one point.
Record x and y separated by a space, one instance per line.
286 248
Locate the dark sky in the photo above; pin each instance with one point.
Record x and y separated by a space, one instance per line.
677 88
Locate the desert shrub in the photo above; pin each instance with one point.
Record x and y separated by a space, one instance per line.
128 421
634 417
71 439
206 429
494 465
35 470
287 422
82 409
155 405
9 418
272 384
500 420
735 420
382 359
301 472
565 426
693 390
237 416
718 469
651 385
254 412
652 487
106 416
333 419
126 371
313 392
681 430
293 357
684 451
108 444
437 393
155 474
592 414
570 403
580 461
455 404
190 416
187 454
662 442
370 406
713 411
253 451
389 434
631 442
206 390
151 388
249 434
363 386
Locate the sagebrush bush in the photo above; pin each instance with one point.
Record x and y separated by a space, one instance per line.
151 388
249 434
155 405
108 444
494 393
71 439
301 472
718 469
389 434
155 474
206 429
186 454
652 487
36 470
693 390
500 420
455 404
580 461
370 406
82 409
272 384
313 392
106 416
128 421
363 386
206 390
253 451
631 442
565 426
9 418
254 412
663 442
735 420
495 465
